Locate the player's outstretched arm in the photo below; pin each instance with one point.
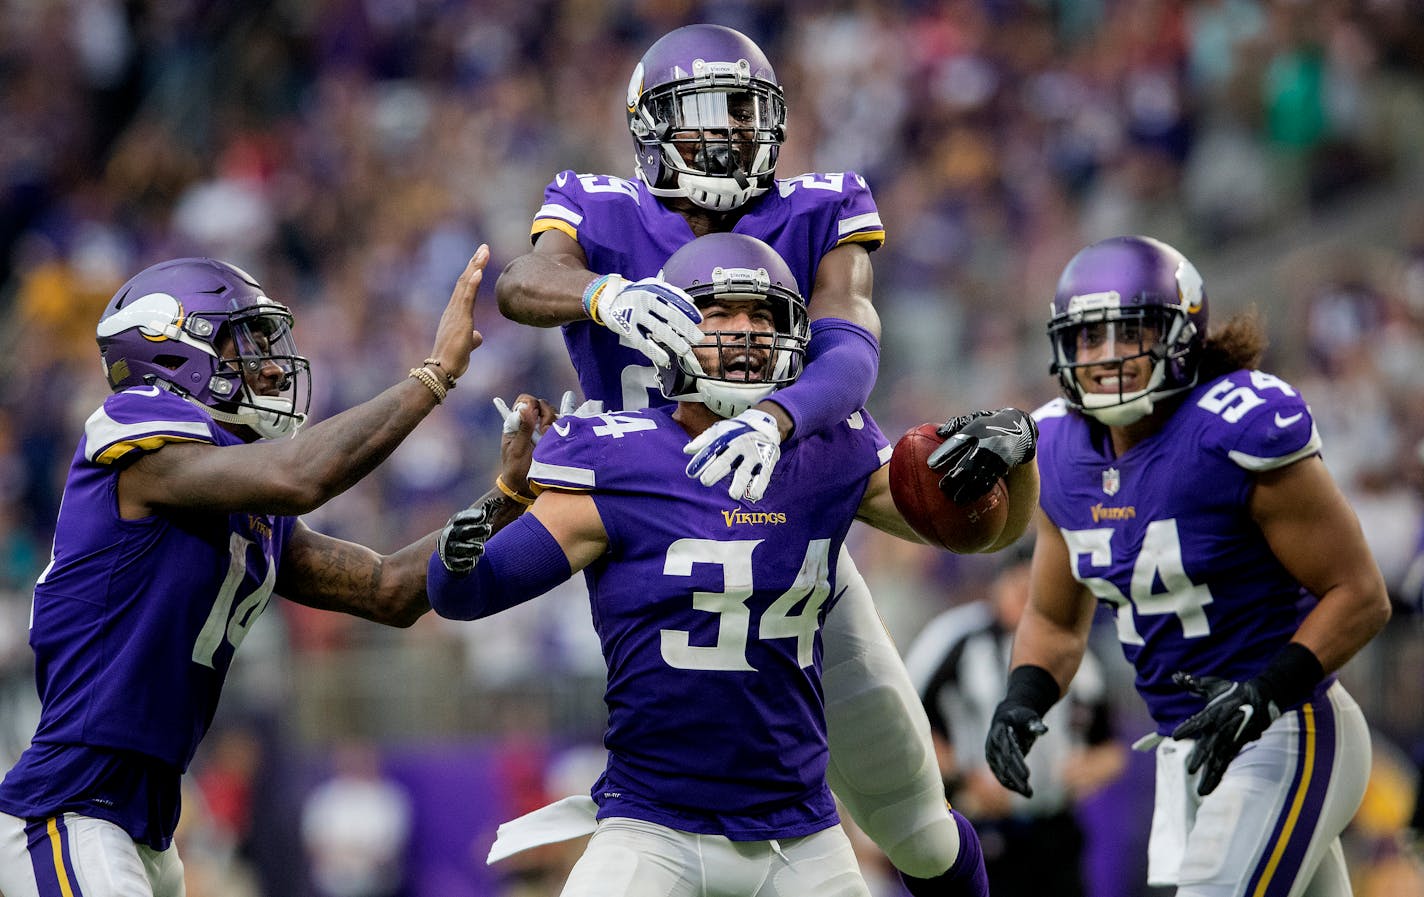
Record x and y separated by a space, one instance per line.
332 574
552 285
297 475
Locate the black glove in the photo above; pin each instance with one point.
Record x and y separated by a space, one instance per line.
980 448
1012 731
1236 714
461 543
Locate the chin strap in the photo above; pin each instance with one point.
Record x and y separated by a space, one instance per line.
267 422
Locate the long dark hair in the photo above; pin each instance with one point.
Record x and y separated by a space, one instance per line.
1239 343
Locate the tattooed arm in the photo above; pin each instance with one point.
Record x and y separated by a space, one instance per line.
332 574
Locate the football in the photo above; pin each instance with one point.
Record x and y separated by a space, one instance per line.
963 529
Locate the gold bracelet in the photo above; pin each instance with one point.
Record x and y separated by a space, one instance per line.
424 375
435 363
504 487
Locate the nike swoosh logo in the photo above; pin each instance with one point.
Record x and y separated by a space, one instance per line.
1287 421
561 178
1247 711
1016 430
561 428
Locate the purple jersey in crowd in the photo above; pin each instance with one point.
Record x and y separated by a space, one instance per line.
625 230
134 626
709 613
1163 535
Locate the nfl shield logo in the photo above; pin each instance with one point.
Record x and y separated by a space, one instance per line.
1112 481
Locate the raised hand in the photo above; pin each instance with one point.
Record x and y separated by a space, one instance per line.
654 317
524 423
981 447
1236 714
1012 731
456 336
746 446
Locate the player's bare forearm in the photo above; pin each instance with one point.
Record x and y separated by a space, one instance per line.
332 574
330 457
1053 633
544 288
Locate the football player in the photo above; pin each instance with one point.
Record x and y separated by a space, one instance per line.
178 524
708 118
1183 488
709 612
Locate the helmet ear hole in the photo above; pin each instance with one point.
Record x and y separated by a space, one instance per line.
172 362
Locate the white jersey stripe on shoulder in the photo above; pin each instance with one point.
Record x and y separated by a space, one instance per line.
859 222
563 213
102 432
1054 408
561 475
1257 464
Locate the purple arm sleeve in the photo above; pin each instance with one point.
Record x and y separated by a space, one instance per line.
520 562
842 360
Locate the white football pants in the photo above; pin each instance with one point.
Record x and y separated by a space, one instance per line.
79 855
1272 827
633 858
882 766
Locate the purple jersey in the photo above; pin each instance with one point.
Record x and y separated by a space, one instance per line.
1163 534
709 612
625 230
134 625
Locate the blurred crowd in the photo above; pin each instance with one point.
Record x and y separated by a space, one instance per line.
352 153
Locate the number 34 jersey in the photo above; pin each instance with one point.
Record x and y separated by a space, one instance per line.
1163 534
709 612
135 622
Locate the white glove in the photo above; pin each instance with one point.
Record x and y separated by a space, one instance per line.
510 416
652 316
750 443
589 407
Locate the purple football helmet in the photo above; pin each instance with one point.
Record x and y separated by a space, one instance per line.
205 330
707 117
1120 299
724 267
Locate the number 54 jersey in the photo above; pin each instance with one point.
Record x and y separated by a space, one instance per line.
709 612
1163 534
135 622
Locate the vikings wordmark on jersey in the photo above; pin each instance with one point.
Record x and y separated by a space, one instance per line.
710 612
